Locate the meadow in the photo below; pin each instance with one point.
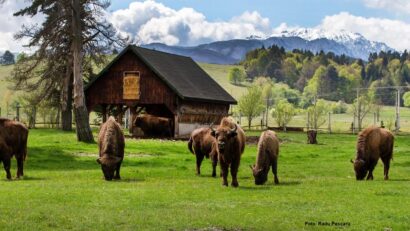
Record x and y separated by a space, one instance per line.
63 189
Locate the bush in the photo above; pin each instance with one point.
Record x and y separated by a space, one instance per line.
339 107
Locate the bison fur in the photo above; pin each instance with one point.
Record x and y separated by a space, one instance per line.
202 144
373 143
268 152
230 145
111 145
13 142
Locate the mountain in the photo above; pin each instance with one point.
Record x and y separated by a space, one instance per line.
233 51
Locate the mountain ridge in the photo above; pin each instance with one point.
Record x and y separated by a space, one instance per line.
233 51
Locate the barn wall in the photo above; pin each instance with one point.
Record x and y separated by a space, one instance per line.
108 88
193 115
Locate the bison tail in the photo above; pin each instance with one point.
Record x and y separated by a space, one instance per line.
190 141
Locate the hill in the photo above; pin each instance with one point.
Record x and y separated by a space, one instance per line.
233 51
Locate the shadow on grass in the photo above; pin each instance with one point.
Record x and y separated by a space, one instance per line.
269 185
129 180
55 159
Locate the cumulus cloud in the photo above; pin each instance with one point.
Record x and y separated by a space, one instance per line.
402 6
392 32
150 22
10 25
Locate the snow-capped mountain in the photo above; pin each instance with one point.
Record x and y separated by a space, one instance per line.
232 51
357 44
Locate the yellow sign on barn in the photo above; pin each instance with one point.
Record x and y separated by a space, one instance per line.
131 85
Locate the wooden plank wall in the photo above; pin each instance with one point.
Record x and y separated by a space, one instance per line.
108 89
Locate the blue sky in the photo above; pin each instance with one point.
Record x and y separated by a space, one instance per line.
305 13
193 22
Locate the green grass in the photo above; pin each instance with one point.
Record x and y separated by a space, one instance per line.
63 189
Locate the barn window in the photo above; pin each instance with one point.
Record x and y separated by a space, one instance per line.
131 85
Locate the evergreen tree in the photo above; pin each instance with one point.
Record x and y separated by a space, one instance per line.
8 58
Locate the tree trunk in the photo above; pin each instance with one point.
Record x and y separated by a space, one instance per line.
83 128
249 123
67 100
311 135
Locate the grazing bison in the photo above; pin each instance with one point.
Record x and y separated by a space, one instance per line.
231 143
373 143
202 144
111 149
154 126
13 142
268 152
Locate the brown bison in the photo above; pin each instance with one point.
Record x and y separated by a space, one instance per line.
13 142
268 152
231 144
202 144
154 126
111 149
373 143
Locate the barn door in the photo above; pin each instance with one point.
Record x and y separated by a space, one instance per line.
131 85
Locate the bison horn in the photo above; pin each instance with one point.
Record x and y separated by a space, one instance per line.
234 129
250 166
351 161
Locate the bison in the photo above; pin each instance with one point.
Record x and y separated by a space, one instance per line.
111 149
202 144
154 126
268 152
13 142
373 143
231 144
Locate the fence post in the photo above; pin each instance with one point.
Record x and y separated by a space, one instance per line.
374 118
307 122
330 124
17 111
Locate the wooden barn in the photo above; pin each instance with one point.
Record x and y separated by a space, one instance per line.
159 84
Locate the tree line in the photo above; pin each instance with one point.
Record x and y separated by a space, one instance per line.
282 84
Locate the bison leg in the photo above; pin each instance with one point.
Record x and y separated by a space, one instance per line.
234 172
20 163
386 163
199 159
117 171
275 171
214 164
371 168
6 165
224 172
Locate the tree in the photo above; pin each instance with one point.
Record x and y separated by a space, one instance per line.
251 104
236 76
8 58
361 107
317 113
406 99
283 113
72 38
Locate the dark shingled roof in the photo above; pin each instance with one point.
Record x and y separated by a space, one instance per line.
180 73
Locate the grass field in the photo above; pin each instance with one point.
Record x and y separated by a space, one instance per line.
63 189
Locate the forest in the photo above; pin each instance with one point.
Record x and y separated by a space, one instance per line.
329 76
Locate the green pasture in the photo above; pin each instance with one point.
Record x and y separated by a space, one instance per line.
63 189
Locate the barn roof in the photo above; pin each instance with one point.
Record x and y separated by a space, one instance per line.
185 77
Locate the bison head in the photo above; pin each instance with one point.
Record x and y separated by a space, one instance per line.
108 165
223 136
260 176
360 169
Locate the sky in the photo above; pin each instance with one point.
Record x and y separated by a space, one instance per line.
193 22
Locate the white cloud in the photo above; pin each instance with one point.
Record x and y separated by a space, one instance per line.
401 6
392 32
150 22
10 25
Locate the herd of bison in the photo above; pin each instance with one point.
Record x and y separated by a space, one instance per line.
224 144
